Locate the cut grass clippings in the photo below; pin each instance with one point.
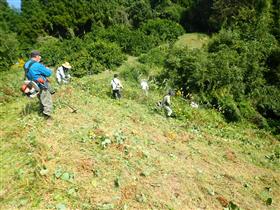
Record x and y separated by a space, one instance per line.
127 155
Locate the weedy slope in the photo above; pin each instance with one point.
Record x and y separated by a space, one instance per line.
127 155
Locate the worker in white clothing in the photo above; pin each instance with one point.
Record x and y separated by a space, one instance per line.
62 73
144 86
116 87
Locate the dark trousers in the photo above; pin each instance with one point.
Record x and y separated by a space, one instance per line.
116 94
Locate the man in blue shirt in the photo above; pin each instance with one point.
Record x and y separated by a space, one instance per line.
37 72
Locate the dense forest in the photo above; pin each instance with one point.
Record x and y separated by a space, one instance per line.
237 72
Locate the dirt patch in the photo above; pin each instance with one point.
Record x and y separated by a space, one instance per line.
128 192
85 165
230 155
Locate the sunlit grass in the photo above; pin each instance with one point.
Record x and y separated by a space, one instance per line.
192 40
127 155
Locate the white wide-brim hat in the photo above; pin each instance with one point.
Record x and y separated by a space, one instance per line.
66 65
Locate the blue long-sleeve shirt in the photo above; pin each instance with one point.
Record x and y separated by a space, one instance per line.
37 70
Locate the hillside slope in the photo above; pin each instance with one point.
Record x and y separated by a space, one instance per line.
126 155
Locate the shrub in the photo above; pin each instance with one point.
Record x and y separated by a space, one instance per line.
10 90
247 110
131 41
173 12
52 50
106 53
83 64
88 56
142 43
165 30
139 12
134 72
216 77
156 56
8 50
224 39
246 52
266 99
230 110
225 69
187 69
95 57
224 102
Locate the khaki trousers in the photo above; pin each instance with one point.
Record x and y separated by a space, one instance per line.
45 98
168 110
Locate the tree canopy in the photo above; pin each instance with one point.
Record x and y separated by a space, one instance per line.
240 62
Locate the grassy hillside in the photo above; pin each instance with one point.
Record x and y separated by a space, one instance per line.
127 155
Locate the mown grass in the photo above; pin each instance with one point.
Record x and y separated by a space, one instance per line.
127 155
192 40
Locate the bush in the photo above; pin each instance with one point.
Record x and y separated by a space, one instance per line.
215 77
133 73
172 12
224 39
225 70
106 53
133 42
8 50
245 53
224 102
86 56
52 50
142 43
187 69
266 99
165 30
138 41
156 56
10 91
139 12
96 57
83 64
247 110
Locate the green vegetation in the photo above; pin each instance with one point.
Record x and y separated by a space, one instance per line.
223 55
121 154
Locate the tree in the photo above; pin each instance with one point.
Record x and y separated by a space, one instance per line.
9 18
33 21
8 39
197 16
139 12
231 12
